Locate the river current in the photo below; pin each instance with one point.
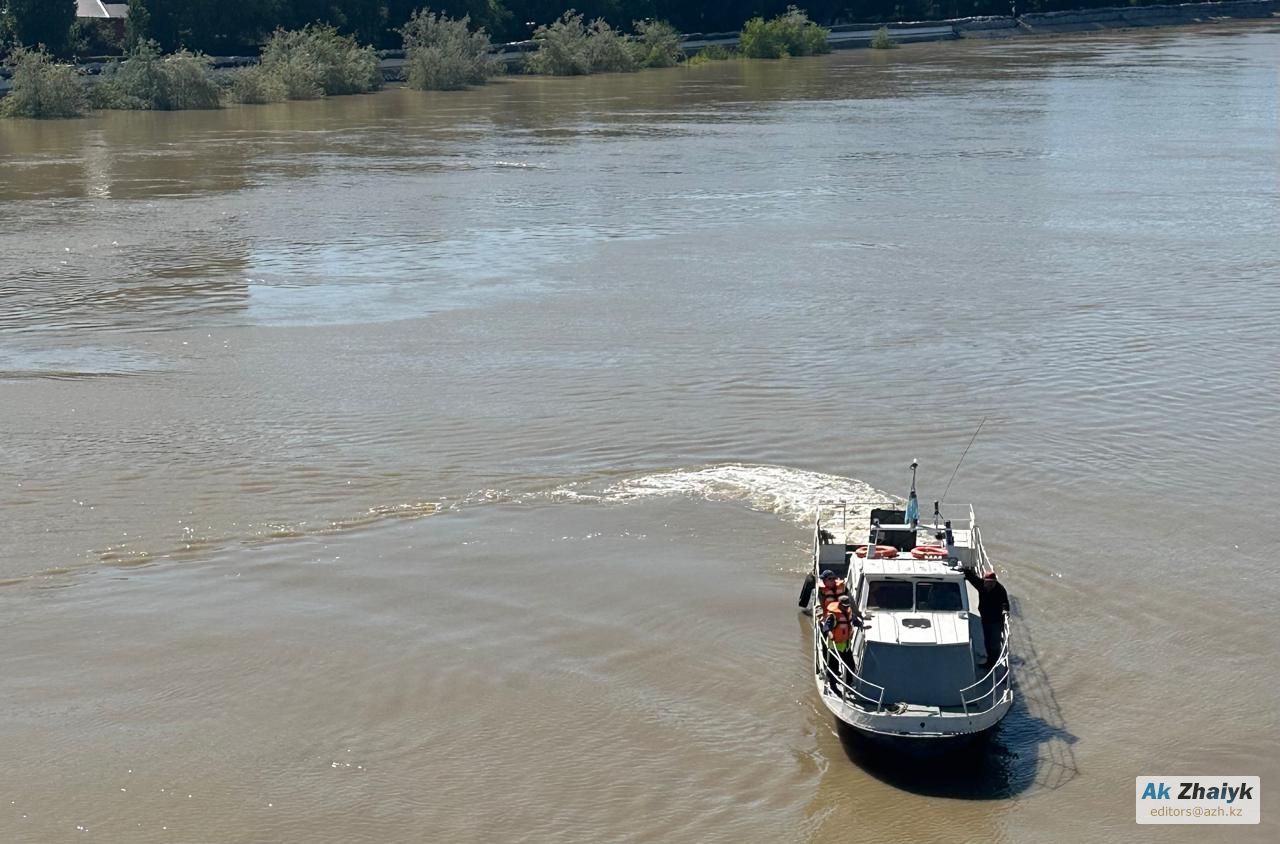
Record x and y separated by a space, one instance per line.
439 467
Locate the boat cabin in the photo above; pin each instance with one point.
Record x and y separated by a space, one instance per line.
920 638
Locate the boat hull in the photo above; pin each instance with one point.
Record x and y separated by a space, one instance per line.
916 746
915 733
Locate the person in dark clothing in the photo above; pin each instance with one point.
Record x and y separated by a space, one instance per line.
993 603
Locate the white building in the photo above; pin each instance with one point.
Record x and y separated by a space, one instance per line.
102 11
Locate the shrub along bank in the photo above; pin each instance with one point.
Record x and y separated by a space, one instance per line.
789 34
318 60
42 88
445 54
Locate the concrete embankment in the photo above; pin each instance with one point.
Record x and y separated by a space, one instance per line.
856 35
1147 16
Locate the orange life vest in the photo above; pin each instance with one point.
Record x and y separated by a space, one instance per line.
843 628
830 590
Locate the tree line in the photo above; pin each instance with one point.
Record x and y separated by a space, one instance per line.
224 27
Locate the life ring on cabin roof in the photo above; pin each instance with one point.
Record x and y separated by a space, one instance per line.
884 552
929 552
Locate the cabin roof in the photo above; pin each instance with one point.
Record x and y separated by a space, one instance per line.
910 627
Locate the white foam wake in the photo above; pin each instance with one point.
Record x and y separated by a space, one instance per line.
789 493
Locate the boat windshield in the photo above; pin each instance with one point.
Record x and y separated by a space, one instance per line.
938 597
889 595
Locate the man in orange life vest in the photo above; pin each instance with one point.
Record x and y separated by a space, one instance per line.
838 624
830 589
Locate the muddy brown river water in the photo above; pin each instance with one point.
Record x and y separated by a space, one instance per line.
437 467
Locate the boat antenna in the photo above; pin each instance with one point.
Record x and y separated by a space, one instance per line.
961 460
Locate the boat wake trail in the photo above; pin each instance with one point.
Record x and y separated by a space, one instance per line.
786 492
789 493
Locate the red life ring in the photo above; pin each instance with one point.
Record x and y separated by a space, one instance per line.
884 552
929 552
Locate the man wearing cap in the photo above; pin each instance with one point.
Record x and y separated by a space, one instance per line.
993 603
829 589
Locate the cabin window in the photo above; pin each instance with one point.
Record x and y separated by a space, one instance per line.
938 597
889 595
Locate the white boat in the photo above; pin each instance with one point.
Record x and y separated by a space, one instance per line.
916 672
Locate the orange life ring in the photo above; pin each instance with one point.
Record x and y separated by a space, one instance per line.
929 552
884 552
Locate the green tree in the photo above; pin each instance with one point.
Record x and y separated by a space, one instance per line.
46 22
137 27
492 16
365 19
166 22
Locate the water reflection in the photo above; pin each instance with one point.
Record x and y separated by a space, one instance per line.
130 155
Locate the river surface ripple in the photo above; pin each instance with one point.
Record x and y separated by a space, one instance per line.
436 467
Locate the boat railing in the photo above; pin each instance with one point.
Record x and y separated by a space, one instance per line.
981 561
977 699
859 691
994 686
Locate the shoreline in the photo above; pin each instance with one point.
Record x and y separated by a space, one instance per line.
853 36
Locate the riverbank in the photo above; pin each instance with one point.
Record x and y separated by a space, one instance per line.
849 36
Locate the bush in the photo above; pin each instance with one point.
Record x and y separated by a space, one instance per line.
882 40
316 61
443 54
146 80
657 44
42 88
608 49
790 34
714 53
257 85
569 47
188 82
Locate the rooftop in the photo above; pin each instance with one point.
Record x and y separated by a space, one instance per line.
101 11
910 627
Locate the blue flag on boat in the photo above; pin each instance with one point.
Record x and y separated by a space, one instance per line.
913 509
